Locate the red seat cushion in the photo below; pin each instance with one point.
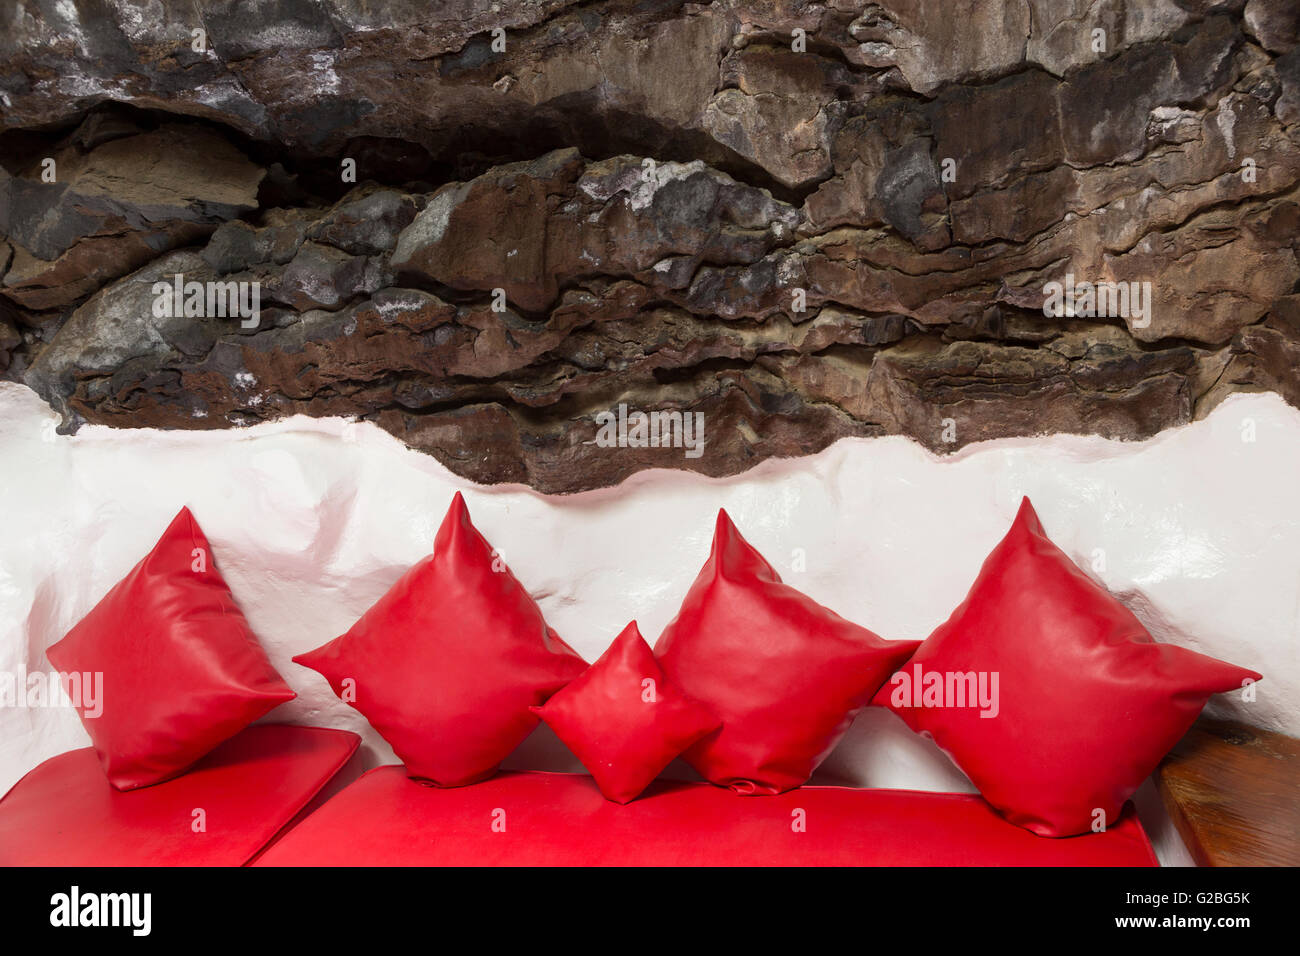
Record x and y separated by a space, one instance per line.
386 819
65 813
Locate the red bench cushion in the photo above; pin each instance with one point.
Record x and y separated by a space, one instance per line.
386 819
65 812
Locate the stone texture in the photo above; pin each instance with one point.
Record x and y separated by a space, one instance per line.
670 206
114 202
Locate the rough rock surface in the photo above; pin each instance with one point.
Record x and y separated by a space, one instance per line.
802 220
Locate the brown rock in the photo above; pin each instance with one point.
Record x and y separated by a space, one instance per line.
115 207
685 215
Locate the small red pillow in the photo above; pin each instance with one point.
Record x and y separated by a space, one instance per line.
448 661
624 719
1080 702
181 670
784 674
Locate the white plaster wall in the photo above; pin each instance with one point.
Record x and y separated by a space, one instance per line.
312 520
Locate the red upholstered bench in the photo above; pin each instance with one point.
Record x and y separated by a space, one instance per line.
533 818
65 812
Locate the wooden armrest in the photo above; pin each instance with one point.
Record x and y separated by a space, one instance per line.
1233 792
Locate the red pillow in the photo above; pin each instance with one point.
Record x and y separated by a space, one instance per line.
448 661
181 670
624 719
1086 703
784 674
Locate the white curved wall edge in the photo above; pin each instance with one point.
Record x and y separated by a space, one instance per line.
312 519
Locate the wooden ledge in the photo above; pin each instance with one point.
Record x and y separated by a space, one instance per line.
1233 792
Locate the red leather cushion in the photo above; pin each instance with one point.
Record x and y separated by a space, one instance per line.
556 819
64 813
448 661
784 674
1087 702
182 671
624 719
